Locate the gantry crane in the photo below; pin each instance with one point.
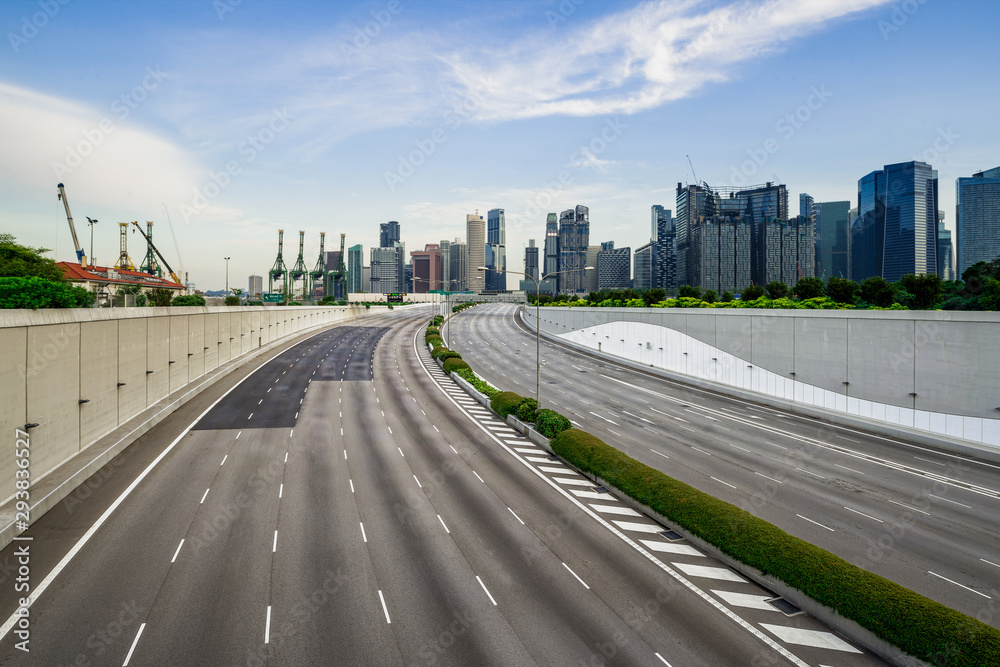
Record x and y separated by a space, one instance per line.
299 271
279 270
80 255
318 274
340 274
149 264
149 241
124 263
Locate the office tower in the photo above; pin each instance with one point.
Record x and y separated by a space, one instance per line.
789 250
574 237
407 285
256 287
805 204
946 267
386 270
457 271
614 267
426 268
663 252
551 258
475 251
388 234
977 219
606 245
496 250
895 232
590 277
720 252
531 260
643 272
445 247
366 278
833 232
355 262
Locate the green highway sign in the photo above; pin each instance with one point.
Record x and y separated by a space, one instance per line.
274 298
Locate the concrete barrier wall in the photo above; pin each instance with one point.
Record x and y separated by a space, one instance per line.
80 373
932 371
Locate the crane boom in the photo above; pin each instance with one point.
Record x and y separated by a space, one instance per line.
173 275
80 256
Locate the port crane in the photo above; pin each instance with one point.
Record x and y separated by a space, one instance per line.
173 275
340 274
80 255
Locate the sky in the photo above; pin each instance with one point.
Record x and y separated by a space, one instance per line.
223 121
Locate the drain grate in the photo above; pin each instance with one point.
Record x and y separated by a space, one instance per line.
784 606
553 457
671 535
600 489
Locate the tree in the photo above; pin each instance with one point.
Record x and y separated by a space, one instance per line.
842 290
876 291
160 296
710 296
752 292
926 289
188 300
776 289
689 291
990 298
655 295
727 297
18 261
35 292
809 287
233 301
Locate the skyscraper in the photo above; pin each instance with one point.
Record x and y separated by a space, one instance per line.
643 271
458 258
789 249
445 247
806 202
720 250
388 234
355 260
531 260
614 266
663 251
574 237
426 268
833 232
386 270
475 251
496 250
896 230
256 287
551 259
977 219
590 277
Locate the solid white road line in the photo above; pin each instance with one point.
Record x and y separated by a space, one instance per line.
385 609
950 501
576 575
487 590
134 642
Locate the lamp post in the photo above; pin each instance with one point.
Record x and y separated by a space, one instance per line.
227 275
538 322
90 223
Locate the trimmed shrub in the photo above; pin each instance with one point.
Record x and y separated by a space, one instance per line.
434 340
550 423
453 364
438 351
919 626
505 403
432 331
478 383
446 354
527 410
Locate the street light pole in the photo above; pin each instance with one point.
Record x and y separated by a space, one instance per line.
227 275
91 222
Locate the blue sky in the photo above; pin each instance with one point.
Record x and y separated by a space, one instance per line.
223 121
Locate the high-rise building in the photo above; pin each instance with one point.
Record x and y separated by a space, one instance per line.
789 250
977 219
407 277
551 258
256 287
946 266
388 234
833 233
720 250
386 270
574 237
458 257
643 272
590 280
496 250
445 247
366 278
475 251
355 261
531 260
614 267
426 268
663 252
896 230
806 203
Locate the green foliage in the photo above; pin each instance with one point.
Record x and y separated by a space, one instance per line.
188 300
505 403
919 626
527 410
990 298
232 301
432 331
655 295
876 291
446 354
926 289
453 364
809 287
710 296
477 382
689 292
160 296
841 290
727 297
141 300
434 339
437 320
776 289
35 292
752 292
18 261
550 423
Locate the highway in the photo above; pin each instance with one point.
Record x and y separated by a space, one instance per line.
343 502
926 519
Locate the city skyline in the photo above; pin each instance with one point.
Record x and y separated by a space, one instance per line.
286 97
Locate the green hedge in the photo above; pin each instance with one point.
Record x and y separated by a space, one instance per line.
919 626
453 364
550 423
439 351
434 340
505 403
446 354
432 331
527 410
478 383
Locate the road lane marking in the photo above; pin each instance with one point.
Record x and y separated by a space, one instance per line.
659 453
738 447
224 459
487 590
286 457
708 572
238 435
204 495
972 590
914 509
352 484
274 545
418 482
813 638
177 552
863 514
443 526
721 482
669 548
515 515
810 473
478 477
281 490
568 569
846 468
267 626
385 609
134 642
363 535
990 562
701 450
663 660
776 481
949 501
815 522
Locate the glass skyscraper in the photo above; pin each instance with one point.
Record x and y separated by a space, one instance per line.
977 219
833 232
388 234
574 237
496 249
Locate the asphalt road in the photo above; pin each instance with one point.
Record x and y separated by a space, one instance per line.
924 518
345 503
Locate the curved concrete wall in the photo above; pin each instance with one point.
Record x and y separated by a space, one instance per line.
933 371
80 373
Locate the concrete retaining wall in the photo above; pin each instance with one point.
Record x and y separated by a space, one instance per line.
80 373
929 371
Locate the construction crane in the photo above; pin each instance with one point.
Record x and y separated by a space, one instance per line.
279 270
691 164
149 240
319 271
149 264
340 274
80 255
124 263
